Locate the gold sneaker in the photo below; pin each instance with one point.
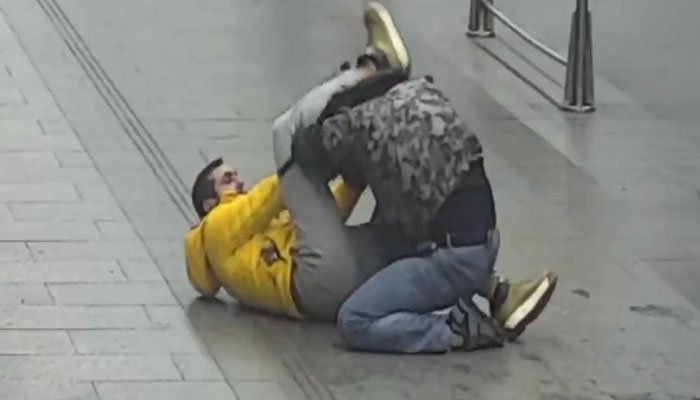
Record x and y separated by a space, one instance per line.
384 37
515 305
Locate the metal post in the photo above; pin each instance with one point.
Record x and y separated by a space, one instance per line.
480 20
488 19
578 92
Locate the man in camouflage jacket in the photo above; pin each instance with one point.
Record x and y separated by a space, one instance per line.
409 146
403 139
425 169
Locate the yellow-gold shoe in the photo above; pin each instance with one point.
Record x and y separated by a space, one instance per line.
384 37
516 305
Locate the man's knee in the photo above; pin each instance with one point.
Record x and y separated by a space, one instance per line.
309 153
352 324
300 145
306 110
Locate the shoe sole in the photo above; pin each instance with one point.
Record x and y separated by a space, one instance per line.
530 309
395 39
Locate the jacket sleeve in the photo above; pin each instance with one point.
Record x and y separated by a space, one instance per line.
233 223
346 196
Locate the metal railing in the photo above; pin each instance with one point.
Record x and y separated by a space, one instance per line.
578 88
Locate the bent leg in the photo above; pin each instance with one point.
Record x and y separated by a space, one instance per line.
401 320
307 109
308 198
330 262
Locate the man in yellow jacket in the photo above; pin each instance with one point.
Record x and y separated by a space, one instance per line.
283 246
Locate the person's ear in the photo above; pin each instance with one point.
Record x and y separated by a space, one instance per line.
208 204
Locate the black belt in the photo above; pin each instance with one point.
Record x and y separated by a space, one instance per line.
448 240
460 239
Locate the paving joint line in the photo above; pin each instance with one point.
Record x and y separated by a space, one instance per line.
130 123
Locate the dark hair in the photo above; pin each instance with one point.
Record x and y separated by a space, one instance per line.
203 188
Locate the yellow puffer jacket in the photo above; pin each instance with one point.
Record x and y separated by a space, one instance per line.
244 244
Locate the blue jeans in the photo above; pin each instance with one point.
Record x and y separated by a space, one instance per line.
393 310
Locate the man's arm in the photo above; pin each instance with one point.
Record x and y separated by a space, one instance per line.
236 220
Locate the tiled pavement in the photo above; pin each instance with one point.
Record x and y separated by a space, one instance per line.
84 311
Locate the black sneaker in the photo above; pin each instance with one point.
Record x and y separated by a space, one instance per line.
472 329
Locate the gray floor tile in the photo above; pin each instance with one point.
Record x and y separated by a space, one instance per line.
165 390
52 272
76 158
48 231
59 317
88 251
141 271
135 342
14 252
49 192
35 342
196 367
129 293
269 390
24 293
89 368
66 211
47 390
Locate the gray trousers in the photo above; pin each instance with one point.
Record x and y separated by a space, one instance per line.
331 259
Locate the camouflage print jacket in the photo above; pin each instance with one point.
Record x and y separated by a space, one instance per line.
409 146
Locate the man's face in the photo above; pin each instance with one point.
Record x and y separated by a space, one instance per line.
225 179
